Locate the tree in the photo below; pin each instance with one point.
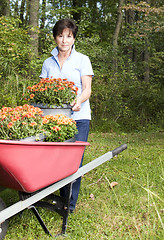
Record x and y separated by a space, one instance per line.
118 24
76 11
22 11
42 27
33 24
5 8
137 36
117 31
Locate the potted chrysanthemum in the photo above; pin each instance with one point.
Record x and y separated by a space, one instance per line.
59 128
27 123
20 122
52 93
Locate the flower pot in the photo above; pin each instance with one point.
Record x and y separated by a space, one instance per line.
71 140
38 138
53 109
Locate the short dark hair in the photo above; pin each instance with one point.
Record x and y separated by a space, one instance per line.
63 24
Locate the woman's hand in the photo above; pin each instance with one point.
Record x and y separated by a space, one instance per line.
86 92
75 106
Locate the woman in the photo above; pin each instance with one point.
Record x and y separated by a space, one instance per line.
66 62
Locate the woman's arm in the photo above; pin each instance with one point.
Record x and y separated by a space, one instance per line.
86 92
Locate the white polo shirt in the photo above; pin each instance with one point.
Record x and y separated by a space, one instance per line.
76 66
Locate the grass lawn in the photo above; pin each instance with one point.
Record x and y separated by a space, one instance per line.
133 209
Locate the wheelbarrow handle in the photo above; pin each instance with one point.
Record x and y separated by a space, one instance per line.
119 149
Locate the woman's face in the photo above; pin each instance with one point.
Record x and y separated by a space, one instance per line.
65 40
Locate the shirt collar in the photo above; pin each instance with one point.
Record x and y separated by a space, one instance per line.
55 51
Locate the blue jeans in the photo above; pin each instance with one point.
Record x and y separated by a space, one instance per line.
82 135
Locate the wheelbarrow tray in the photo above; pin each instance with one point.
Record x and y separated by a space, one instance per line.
30 166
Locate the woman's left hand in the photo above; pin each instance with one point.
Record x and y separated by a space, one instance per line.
86 92
76 106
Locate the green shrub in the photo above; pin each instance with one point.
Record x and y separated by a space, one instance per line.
14 48
11 91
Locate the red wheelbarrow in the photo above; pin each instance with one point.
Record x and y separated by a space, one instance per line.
38 169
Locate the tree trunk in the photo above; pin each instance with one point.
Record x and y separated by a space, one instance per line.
16 9
129 16
27 12
43 14
118 24
33 24
42 26
129 13
22 9
93 5
146 65
116 33
77 15
5 8
146 58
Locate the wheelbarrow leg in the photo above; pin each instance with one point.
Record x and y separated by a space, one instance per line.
4 225
66 208
60 205
23 196
36 213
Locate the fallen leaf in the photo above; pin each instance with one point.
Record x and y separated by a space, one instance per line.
92 196
113 184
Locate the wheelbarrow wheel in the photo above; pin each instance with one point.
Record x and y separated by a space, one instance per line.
4 225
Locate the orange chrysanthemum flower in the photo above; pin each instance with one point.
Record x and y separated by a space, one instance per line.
32 96
10 124
33 124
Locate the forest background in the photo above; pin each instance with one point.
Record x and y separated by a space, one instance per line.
123 39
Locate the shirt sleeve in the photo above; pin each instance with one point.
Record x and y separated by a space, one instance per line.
44 73
86 67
